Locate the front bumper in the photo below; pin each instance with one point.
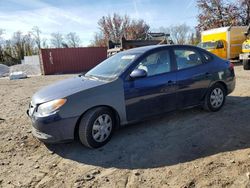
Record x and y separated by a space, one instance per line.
244 56
53 128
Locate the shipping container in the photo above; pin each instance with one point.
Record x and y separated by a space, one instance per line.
71 60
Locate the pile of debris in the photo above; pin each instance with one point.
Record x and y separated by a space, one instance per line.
4 70
28 69
19 71
151 39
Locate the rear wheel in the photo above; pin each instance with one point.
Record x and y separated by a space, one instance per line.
96 127
215 98
246 64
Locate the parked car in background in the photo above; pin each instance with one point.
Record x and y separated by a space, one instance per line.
128 87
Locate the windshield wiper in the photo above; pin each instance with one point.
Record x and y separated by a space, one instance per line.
93 77
81 74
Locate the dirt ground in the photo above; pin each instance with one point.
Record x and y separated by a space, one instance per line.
189 148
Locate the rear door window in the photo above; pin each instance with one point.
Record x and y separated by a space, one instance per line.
207 57
186 58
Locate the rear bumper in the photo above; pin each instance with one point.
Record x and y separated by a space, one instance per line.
231 85
53 128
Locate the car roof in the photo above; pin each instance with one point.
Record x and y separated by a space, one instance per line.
145 49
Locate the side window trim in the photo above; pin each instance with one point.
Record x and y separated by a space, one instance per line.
204 54
188 49
170 54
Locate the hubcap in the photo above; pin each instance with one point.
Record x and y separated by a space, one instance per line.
102 128
216 98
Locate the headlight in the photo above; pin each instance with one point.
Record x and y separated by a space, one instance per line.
50 107
246 46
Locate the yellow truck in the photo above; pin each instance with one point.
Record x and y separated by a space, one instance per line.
245 56
225 42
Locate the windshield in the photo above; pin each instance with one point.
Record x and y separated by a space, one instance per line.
112 67
208 45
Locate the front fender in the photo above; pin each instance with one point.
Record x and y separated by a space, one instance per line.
110 94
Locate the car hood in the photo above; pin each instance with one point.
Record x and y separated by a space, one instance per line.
64 88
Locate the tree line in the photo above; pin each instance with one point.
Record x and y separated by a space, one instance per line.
13 50
221 13
212 14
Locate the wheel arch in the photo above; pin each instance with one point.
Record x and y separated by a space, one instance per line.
117 118
223 84
212 84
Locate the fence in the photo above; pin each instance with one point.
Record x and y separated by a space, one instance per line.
31 60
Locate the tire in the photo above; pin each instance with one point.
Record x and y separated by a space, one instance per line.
96 127
215 98
246 64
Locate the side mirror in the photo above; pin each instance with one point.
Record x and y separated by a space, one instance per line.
138 73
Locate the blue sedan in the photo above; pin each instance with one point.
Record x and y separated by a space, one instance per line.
129 87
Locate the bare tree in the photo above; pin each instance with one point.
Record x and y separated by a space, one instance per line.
18 43
1 46
29 45
217 13
73 40
36 33
180 34
14 50
194 38
57 40
9 55
99 40
115 27
22 45
1 33
138 29
244 11
44 43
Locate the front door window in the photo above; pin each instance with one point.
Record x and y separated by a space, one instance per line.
156 63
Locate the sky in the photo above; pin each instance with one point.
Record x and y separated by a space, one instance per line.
81 16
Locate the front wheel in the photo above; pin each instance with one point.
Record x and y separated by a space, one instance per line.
215 98
96 127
